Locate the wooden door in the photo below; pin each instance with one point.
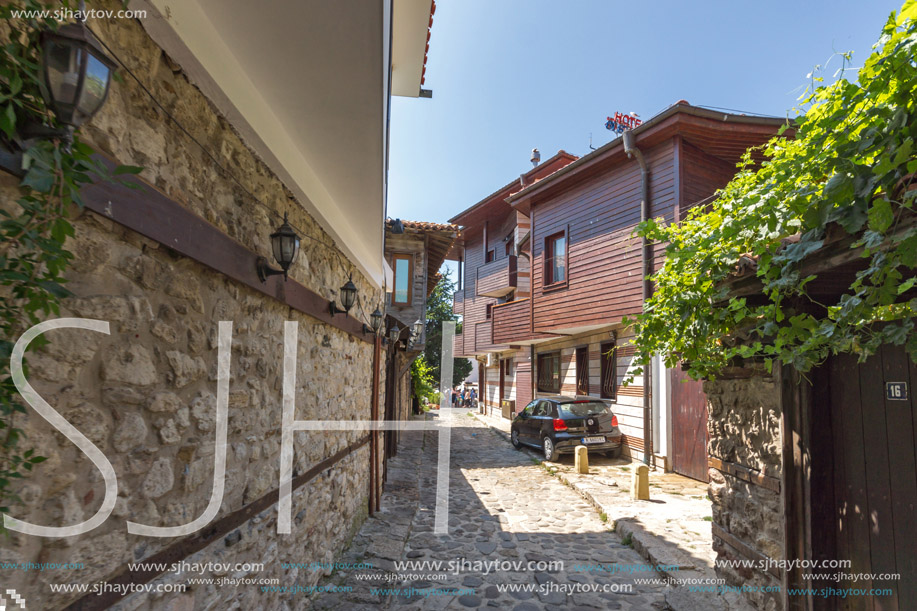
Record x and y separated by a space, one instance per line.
689 426
864 484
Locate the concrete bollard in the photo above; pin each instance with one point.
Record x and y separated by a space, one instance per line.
582 459
640 483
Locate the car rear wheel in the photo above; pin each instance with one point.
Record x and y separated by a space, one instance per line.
550 453
514 438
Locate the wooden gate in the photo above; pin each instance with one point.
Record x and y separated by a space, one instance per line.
864 480
689 426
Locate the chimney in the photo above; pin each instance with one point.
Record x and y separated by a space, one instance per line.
536 158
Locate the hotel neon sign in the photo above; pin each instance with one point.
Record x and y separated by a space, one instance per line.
621 122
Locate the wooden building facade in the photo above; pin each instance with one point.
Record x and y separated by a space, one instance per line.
414 251
543 314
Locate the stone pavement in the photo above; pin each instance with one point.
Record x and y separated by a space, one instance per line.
672 530
504 508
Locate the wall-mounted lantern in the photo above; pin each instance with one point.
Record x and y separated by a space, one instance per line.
348 294
394 333
375 320
417 331
285 245
75 75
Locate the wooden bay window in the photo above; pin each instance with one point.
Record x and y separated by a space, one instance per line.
403 281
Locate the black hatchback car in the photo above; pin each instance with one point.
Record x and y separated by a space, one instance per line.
558 424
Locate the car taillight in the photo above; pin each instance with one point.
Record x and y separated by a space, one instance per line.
559 425
614 421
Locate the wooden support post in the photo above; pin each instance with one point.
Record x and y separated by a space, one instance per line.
374 415
796 407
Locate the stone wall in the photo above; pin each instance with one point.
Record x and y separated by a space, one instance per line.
145 394
744 417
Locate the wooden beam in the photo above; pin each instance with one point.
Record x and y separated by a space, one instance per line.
743 548
185 547
832 255
154 215
746 474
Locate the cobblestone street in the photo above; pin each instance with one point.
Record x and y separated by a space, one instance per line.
504 507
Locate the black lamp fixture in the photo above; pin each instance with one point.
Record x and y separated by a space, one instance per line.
75 78
417 331
348 294
76 73
394 333
397 226
375 320
285 244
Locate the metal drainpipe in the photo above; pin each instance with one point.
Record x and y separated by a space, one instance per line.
647 259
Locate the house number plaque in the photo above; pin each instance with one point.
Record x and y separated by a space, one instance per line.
896 391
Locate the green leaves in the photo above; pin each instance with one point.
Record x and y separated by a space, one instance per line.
39 179
8 121
127 169
880 215
845 178
35 230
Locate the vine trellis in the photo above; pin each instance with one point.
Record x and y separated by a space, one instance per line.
849 171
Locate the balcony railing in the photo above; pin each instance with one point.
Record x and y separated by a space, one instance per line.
497 278
457 347
483 335
484 340
458 302
511 321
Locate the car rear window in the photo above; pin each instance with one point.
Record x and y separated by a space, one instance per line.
584 408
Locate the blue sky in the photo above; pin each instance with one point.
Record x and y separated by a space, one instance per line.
510 75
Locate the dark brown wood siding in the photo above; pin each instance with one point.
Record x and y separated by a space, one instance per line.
497 278
458 346
458 302
474 306
511 321
604 257
702 175
483 335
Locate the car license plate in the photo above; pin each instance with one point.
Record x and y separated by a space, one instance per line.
599 439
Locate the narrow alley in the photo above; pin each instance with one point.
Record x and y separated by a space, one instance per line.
518 538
